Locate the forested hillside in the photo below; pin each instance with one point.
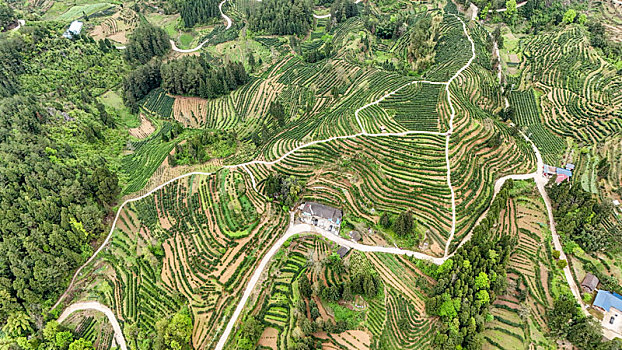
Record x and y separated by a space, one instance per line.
56 183
198 11
282 17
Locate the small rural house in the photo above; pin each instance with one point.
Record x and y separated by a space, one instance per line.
562 174
611 304
322 216
589 283
74 29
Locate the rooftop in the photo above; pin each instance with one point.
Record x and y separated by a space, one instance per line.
343 251
590 281
606 300
74 29
321 210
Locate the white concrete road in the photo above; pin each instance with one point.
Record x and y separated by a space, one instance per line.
94 305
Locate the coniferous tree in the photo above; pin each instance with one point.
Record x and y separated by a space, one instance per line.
146 42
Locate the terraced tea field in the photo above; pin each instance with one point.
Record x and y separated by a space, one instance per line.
582 94
191 243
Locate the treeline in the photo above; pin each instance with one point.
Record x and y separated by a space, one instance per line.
581 217
192 75
189 75
281 17
387 26
599 39
147 42
469 282
139 82
198 11
404 225
420 51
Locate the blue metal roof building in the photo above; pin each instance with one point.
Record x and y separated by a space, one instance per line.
566 172
606 300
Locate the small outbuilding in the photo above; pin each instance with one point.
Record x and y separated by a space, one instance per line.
343 251
589 283
355 236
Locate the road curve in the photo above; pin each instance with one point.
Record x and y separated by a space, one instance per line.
94 305
227 19
20 23
198 47
505 9
306 229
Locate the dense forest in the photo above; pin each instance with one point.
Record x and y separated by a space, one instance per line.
139 82
283 189
198 11
281 17
192 75
581 217
341 10
422 42
147 42
54 198
469 282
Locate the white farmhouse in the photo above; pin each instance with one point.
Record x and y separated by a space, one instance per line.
74 29
323 216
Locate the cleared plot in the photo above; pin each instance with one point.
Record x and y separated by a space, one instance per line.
193 243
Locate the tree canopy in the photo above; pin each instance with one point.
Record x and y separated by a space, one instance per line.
282 17
147 42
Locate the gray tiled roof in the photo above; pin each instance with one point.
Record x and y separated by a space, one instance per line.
590 281
323 211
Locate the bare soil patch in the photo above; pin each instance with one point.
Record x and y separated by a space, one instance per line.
144 129
269 337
